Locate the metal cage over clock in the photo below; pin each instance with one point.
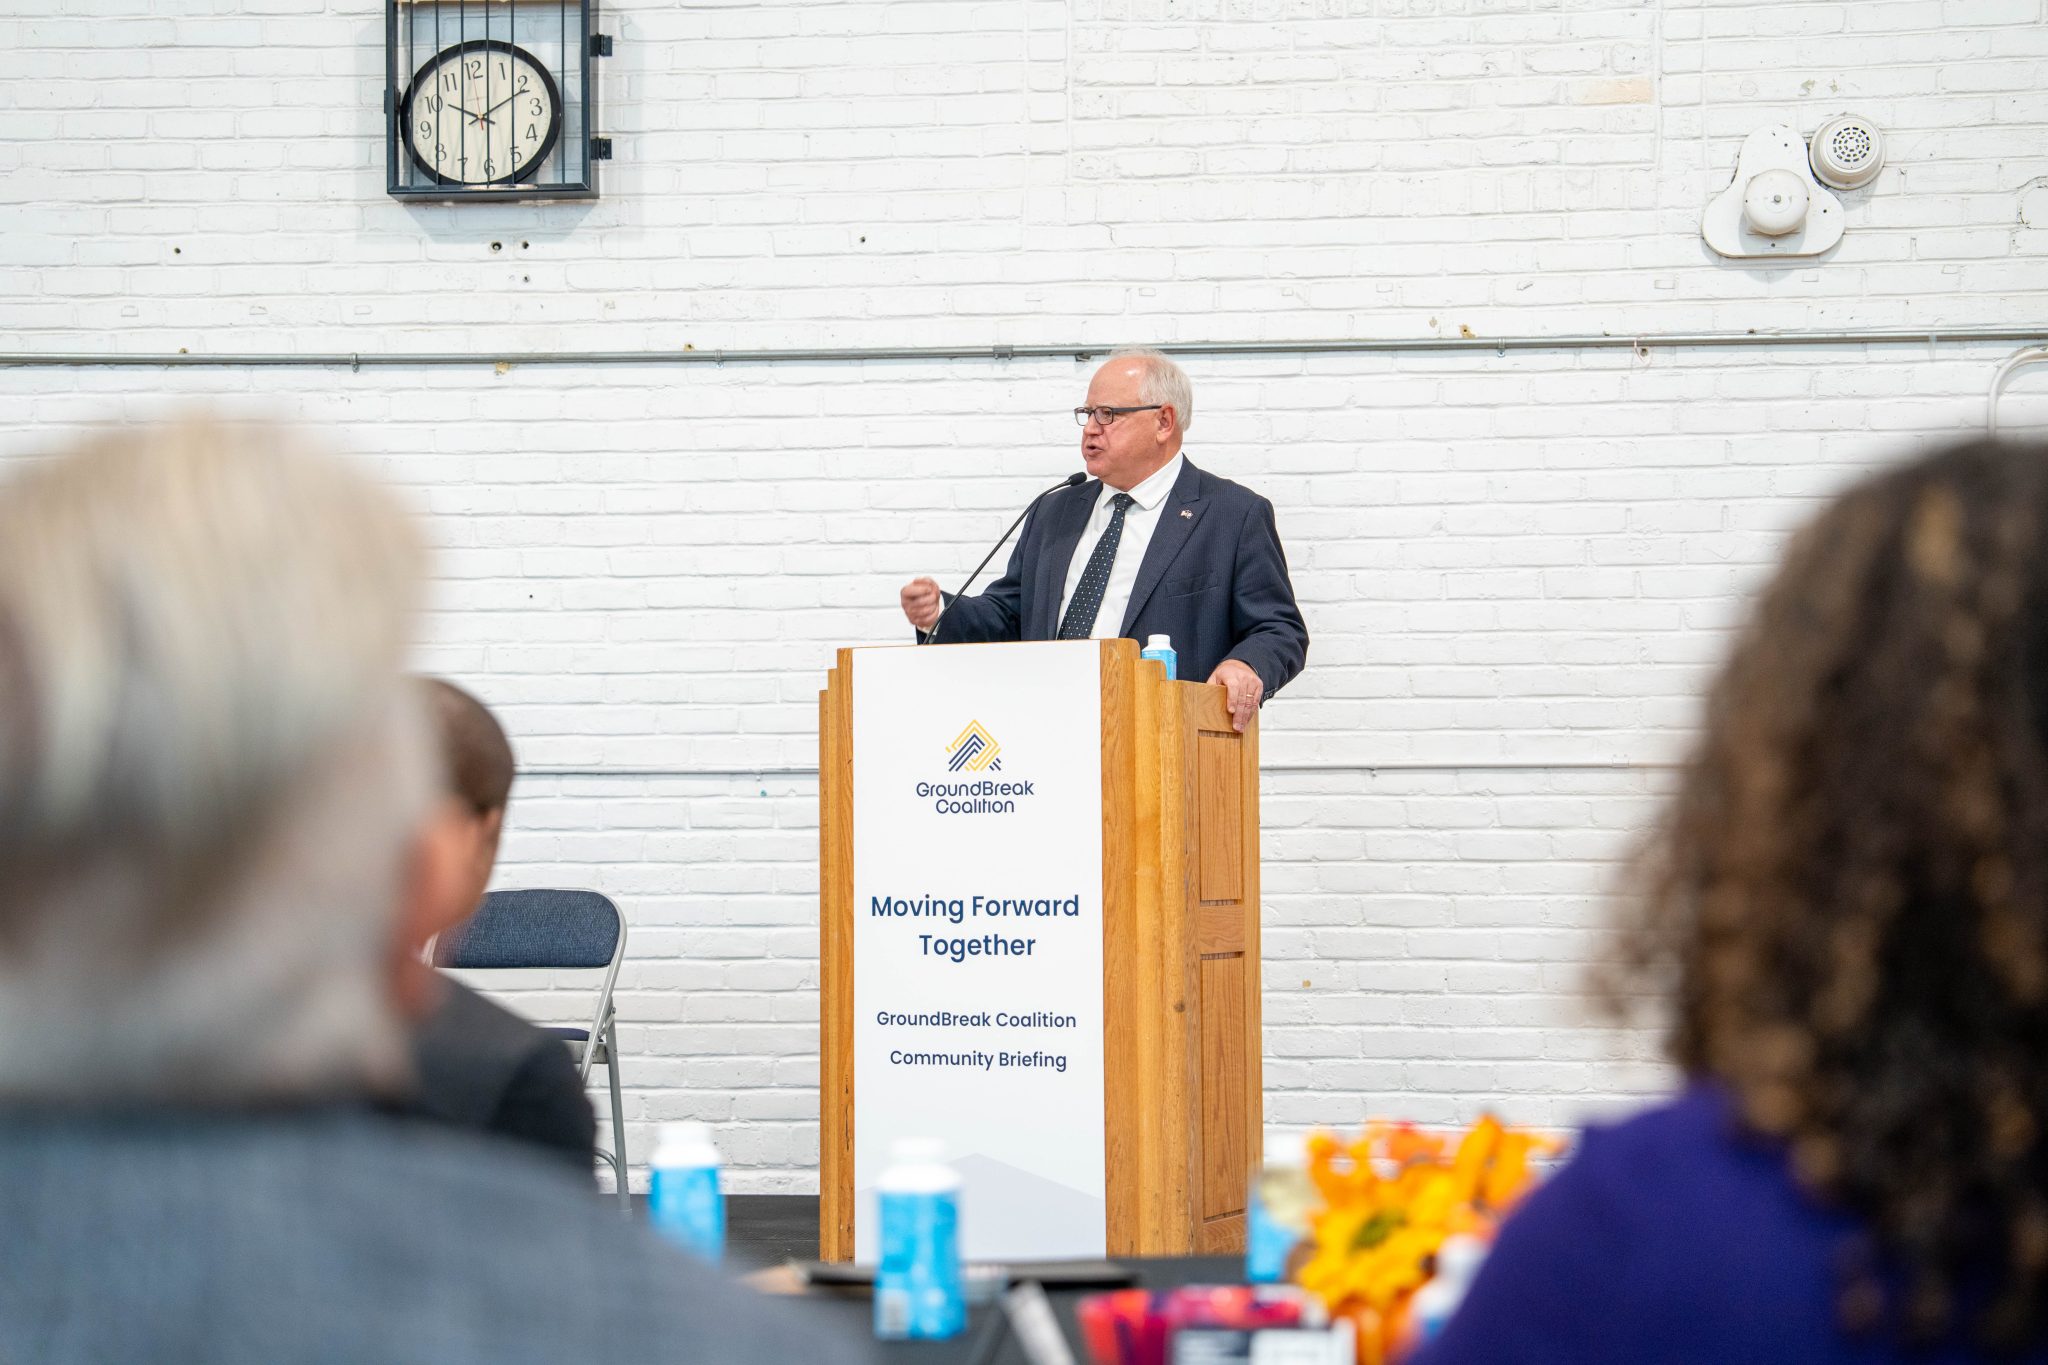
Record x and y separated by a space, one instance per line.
492 100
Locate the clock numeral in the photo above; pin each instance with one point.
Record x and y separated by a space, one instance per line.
490 167
537 110
522 84
476 69
426 128
532 132
432 104
440 151
501 71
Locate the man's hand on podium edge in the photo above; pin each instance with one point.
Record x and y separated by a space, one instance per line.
921 602
1243 688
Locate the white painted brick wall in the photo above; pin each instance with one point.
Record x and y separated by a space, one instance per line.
1516 567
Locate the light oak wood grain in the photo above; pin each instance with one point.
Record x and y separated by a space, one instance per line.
835 963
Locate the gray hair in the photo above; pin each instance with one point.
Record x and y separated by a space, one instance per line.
210 773
1163 382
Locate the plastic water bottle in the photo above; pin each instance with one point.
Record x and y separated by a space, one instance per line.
918 1291
683 1197
1457 1262
1277 1214
1160 647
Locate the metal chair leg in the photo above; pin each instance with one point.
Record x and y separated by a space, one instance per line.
611 1068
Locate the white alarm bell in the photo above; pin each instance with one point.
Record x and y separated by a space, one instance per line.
1773 206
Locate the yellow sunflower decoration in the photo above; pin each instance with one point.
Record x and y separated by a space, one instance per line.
1388 1202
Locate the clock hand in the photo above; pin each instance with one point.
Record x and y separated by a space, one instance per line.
499 105
484 117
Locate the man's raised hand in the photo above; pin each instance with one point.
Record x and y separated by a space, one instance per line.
921 602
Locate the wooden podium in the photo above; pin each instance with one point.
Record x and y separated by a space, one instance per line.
1182 1097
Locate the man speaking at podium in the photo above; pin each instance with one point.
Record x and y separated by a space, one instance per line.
1150 545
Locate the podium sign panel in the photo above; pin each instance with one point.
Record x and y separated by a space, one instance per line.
977 936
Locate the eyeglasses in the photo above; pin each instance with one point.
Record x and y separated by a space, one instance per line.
1103 416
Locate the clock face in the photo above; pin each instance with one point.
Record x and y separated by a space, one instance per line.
482 113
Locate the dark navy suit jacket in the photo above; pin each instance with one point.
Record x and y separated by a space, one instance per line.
1214 580
485 1068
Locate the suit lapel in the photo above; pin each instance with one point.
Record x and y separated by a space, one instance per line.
1178 517
1067 519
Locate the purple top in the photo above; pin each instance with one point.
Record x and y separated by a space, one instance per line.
1669 1239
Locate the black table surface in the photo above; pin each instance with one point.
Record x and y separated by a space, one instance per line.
854 1313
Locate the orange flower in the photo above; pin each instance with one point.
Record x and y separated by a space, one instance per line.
1389 1200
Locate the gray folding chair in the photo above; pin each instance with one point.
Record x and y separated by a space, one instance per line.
558 929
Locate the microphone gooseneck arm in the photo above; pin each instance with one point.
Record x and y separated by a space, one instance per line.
946 604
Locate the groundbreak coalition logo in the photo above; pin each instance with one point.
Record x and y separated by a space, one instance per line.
974 750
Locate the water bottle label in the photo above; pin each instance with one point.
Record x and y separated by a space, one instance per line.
687 1207
918 1292
1165 656
892 1314
1268 1243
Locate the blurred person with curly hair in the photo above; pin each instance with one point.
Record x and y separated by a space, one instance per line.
1845 908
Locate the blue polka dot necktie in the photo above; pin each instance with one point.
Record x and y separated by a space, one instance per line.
1079 621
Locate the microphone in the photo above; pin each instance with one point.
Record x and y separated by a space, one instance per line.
946 605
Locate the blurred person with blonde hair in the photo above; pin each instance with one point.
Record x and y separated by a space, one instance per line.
219 832
1844 914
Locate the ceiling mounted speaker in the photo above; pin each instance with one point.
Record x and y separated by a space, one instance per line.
1848 152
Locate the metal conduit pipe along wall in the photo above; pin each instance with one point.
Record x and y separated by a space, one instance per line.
1643 341
1405 766
1079 352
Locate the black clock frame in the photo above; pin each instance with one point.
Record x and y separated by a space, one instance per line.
408 177
454 52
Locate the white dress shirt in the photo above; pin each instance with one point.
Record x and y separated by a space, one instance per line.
1140 520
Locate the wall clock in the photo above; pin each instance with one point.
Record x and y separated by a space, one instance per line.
480 113
492 99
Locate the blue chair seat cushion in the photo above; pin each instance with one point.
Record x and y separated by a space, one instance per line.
534 928
569 1035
